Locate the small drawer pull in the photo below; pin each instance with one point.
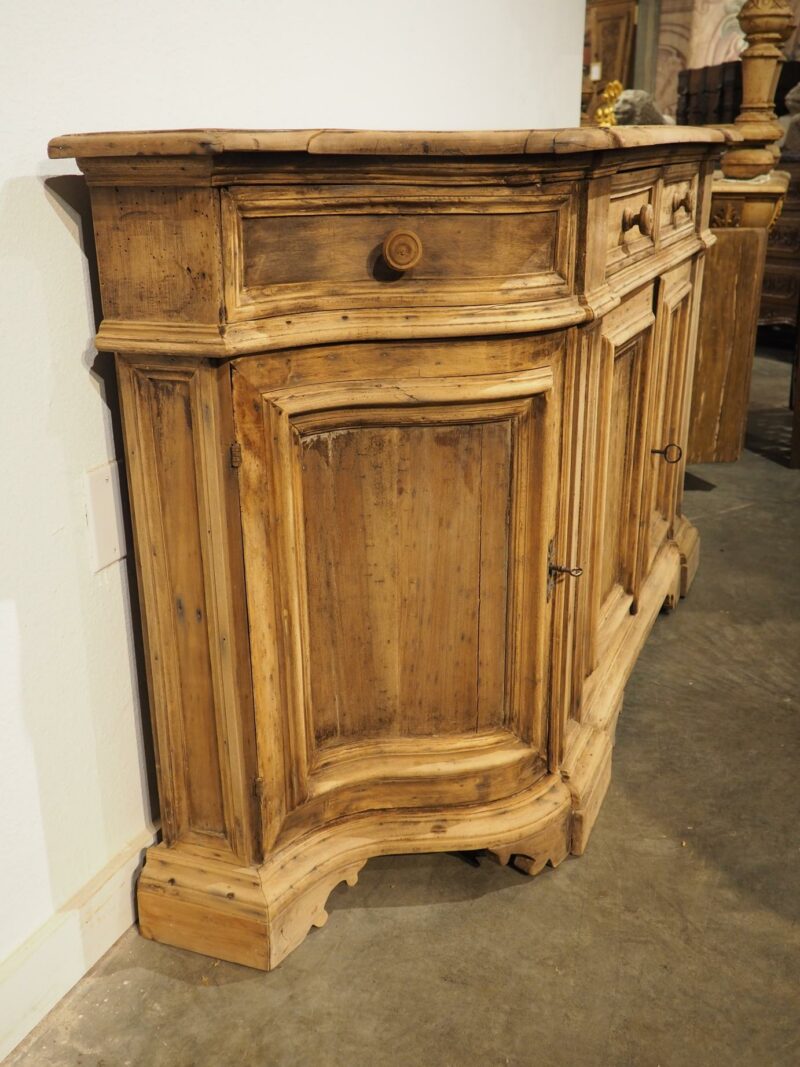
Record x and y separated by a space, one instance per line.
683 200
672 453
402 249
643 218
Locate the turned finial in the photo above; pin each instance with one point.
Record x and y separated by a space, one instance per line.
766 25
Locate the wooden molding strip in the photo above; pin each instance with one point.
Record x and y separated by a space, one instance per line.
211 142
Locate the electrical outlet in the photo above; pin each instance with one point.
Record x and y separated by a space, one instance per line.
104 515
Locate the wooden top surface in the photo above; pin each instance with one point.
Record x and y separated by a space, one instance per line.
378 142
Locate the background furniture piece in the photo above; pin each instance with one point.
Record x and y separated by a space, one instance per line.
780 297
403 417
608 49
712 96
725 345
746 195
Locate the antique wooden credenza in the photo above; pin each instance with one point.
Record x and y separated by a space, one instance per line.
403 416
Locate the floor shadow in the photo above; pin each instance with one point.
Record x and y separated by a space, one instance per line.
769 434
425 879
769 418
693 483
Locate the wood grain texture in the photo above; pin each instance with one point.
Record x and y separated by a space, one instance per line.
381 538
372 142
189 563
218 256
400 534
379 543
158 248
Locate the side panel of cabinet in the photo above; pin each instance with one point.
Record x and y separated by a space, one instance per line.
398 502
177 421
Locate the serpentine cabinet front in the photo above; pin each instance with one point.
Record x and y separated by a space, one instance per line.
404 444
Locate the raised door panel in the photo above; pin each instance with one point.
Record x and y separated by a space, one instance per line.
624 375
396 530
412 498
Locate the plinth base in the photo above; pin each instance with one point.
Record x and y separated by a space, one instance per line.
199 900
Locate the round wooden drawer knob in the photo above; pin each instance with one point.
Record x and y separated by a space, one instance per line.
643 218
402 249
683 200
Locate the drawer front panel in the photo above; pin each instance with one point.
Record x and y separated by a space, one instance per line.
678 208
631 222
287 255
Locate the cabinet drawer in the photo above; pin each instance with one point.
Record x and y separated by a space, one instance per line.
631 220
375 247
678 208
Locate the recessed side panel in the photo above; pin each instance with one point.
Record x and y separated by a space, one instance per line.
406 544
186 558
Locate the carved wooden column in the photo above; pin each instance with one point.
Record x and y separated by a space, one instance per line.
766 25
747 197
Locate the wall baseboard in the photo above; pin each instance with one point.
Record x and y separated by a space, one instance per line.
45 967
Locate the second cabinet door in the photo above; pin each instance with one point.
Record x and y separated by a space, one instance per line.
668 419
397 505
625 366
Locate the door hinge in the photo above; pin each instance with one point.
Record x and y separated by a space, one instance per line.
236 454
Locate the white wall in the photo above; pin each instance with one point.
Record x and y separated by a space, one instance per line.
73 780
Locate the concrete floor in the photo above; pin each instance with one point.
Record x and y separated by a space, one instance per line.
673 941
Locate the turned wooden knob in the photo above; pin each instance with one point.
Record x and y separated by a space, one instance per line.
683 200
643 218
402 249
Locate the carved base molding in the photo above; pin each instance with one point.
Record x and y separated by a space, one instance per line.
752 202
191 898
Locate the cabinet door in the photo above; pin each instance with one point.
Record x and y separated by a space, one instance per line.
397 504
667 418
625 363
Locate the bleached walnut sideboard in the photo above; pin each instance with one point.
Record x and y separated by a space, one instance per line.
403 417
